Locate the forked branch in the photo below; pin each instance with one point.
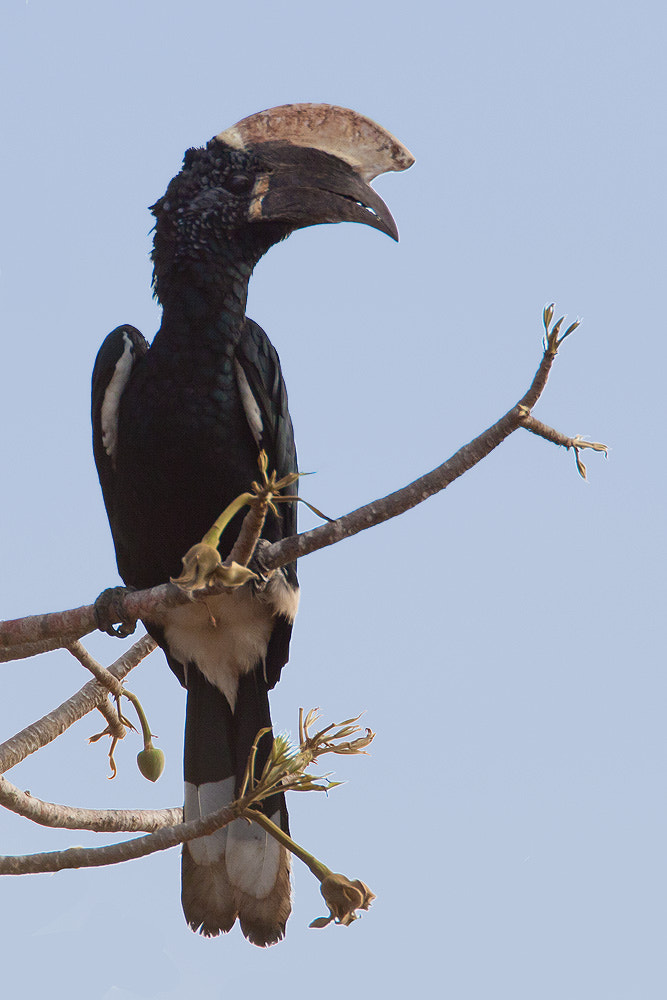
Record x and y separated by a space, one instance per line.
27 636
287 767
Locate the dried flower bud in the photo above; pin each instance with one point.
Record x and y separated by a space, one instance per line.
343 898
203 567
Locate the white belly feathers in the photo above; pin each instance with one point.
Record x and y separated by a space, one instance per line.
227 635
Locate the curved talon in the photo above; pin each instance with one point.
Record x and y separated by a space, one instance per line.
109 609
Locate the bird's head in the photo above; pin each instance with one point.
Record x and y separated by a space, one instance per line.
280 170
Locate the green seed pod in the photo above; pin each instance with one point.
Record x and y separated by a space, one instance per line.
151 763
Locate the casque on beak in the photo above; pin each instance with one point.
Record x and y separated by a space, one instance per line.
320 160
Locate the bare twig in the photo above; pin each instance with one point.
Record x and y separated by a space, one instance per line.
576 443
113 854
25 649
289 549
114 724
91 695
100 673
248 536
72 818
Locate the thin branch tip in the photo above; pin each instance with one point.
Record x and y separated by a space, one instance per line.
552 336
577 444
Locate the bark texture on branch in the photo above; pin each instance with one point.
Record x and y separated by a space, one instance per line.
75 818
91 695
416 492
113 854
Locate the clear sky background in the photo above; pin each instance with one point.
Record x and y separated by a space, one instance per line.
505 638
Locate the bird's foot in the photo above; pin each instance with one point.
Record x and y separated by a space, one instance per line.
109 609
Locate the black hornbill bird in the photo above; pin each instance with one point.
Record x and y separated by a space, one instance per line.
177 430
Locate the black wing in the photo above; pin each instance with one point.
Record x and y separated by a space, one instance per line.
273 429
114 364
271 425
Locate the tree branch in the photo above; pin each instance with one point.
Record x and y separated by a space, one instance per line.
29 633
100 673
25 649
577 443
74 818
113 854
286 768
116 728
289 549
91 696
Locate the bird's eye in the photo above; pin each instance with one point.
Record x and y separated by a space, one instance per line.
239 183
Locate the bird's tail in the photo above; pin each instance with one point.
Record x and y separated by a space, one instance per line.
238 871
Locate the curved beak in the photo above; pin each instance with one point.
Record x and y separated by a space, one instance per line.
304 186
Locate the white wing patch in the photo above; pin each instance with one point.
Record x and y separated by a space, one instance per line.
111 401
200 800
251 856
252 411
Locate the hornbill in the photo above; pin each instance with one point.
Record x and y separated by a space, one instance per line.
177 431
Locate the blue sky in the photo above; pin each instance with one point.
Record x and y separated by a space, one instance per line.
505 639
